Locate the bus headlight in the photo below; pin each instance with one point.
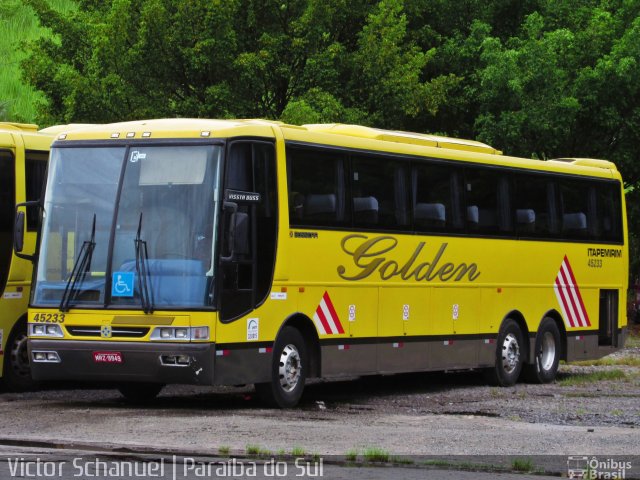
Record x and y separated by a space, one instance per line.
165 333
45 330
181 334
38 329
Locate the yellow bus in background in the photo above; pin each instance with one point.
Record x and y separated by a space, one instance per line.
23 161
247 251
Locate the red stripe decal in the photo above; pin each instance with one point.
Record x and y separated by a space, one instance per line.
332 311
575 285
566 294
323 319
569 296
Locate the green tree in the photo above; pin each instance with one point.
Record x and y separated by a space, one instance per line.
130 59
311 60
541 78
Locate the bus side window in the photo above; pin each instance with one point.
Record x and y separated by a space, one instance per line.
607 208
534 197
379 193
488 201
436 198
574 207
317 184
246 279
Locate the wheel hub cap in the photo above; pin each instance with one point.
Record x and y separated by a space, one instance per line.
510 353
290 368
547 351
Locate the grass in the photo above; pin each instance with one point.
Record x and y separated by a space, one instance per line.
610 361
402 461
252 450
298 452
18 25
224 450
468 466
583 378
375 454
522 465
351 455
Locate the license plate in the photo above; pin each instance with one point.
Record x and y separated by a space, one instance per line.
107 357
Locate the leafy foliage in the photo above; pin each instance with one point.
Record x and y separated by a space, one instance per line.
535 78
18 24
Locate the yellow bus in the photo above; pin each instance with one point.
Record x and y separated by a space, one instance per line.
254 252
23 161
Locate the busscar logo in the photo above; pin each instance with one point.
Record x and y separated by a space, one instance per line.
294 234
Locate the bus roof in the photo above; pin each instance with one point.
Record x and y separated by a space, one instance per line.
31 137
23 127
351 136
403 137
587 162
56 129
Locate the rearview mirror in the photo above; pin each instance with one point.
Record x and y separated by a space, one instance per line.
18 231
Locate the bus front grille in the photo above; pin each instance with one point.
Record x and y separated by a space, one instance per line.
115 332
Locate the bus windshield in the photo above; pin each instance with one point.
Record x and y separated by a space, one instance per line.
129 227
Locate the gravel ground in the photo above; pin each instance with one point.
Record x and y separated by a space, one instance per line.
417 414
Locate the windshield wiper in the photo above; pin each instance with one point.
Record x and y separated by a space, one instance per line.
142 270
80 269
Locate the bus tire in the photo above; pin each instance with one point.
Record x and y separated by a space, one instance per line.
547 354
17 371
139 393
509 356
289 371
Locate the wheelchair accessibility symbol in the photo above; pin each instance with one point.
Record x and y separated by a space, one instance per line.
122 284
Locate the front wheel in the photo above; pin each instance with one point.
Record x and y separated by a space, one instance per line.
547 354
17 371
509 356
288 371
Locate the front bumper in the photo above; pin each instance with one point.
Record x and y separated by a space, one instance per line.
141 362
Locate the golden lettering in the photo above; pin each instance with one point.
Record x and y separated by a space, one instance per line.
369 257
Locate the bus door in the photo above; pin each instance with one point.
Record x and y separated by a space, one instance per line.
248 250
7 212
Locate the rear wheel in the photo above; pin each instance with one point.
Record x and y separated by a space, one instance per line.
17 371
288 371
509 356
547 354
140 392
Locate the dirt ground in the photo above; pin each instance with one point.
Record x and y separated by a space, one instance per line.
589 410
